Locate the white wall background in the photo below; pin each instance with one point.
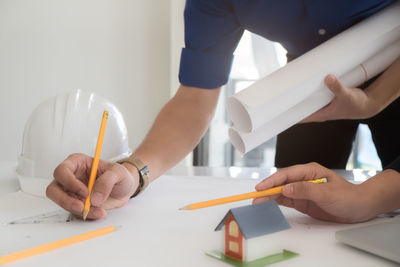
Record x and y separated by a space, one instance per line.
120 49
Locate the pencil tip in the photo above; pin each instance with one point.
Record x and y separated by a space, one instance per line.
185 208
85 214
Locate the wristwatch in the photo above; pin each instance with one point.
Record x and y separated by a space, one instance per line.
143 173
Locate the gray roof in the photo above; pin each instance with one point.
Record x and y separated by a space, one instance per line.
257 220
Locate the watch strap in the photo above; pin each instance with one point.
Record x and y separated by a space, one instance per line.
143 171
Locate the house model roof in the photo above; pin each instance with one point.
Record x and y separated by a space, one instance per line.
257 220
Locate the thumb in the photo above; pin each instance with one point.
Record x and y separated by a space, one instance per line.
303 190
334 85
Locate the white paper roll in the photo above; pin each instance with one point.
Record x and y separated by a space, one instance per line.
244 142
271 96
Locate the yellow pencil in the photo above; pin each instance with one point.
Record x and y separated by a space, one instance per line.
95 163
57 244
264 193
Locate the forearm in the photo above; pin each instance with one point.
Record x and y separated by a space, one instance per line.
382 192
386 88
177 129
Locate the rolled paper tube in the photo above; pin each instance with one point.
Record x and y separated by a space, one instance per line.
276 93
244 142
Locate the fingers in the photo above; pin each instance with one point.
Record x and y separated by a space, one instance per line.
304 190
96 213
295 195
113 186
264 199
103 186
329 112
335 85
295 173
64 175
68 189
59 196
115 180
70 203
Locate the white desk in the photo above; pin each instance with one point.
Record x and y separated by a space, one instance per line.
155 233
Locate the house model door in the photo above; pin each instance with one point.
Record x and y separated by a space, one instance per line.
233 239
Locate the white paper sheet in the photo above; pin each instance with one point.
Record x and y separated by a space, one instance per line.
244 142
155 233
271 96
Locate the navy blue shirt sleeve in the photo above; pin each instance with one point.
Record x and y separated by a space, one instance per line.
212 33
395 165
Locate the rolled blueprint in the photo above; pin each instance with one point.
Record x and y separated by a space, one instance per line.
282 90
245 142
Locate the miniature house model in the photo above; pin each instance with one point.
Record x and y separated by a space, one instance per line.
252 231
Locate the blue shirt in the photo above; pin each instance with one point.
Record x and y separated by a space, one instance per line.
213 29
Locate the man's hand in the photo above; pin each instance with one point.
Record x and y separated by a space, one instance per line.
337 200
348 103
113 187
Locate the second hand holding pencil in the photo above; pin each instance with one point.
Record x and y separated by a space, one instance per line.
263 193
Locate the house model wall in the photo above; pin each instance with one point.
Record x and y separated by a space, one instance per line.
253 231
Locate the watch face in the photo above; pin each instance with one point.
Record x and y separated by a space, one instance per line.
144 171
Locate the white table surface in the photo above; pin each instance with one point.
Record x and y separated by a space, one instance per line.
155 233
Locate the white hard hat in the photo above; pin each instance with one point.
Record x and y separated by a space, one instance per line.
64 125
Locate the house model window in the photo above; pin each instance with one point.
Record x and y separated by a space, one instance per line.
233 229
252 232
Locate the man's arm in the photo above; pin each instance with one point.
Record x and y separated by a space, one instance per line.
177 129
212 33
175 132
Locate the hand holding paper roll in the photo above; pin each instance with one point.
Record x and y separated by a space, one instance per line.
348 103
354 103
274 103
